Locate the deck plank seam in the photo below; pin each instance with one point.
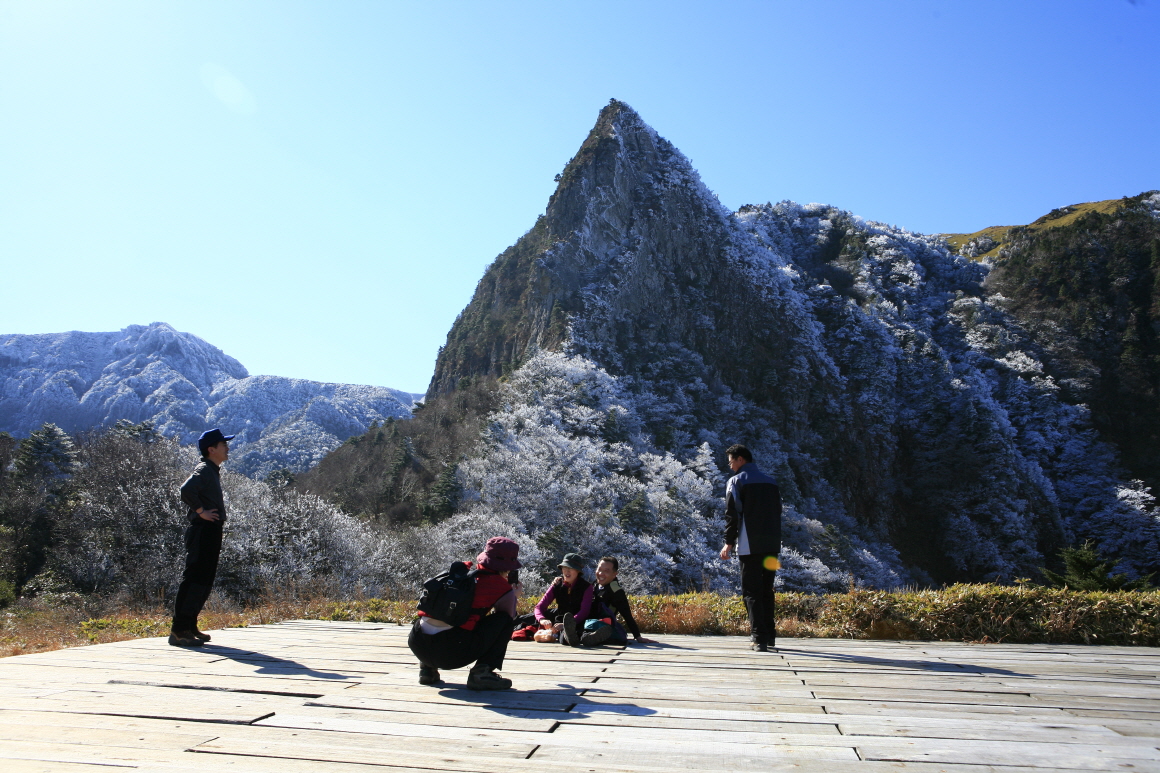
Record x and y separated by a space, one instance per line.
210 688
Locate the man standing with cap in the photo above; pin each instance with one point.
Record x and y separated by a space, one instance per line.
202 492
753 528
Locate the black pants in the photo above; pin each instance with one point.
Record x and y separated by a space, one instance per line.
487 643
757 591
203 545
523 621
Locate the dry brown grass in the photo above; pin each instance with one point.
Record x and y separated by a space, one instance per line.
980 613
42 626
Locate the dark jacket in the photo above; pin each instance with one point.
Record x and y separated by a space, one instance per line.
612 599
575 599
204 489
753 499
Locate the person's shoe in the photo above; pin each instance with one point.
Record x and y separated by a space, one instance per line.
197 633
483 678
429 675
597 637
759 646
570 635
184 639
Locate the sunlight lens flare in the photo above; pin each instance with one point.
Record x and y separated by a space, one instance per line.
228 90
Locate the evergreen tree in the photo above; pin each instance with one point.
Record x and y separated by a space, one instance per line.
46 458
1086 570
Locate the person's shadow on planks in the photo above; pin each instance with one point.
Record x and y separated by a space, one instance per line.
920 665
272 664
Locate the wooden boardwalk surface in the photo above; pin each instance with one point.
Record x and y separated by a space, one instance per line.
318 696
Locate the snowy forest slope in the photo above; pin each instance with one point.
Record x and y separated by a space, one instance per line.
639 328
1084 281
81 381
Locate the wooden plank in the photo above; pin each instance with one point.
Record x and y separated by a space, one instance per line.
44 675
398 751
86 736
701 740
455 680
927 727
127 706
734 760
506 700
1079 756
586 702
945 697
761 723
700 711
87 753
45 766
922 709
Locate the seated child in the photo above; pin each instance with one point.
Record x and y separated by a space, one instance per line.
609 599
572 595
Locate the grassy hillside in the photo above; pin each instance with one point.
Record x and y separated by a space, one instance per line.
1000 235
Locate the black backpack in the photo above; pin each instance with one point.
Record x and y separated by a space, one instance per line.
448 596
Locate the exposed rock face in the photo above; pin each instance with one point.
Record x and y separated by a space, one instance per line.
862 363
82 381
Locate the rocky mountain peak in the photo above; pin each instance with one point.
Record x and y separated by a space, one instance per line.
627 198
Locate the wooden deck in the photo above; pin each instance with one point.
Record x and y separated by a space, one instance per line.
317 696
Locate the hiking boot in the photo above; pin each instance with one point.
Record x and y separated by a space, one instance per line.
597 637
429 675
184 639
759 646
197 634
483 678
570 635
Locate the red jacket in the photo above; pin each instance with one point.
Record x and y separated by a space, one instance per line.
489 587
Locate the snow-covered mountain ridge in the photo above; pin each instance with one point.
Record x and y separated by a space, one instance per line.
641 328
184 385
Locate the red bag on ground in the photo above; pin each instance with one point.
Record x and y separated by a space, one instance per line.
524 634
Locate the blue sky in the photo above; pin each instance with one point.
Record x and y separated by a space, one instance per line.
316 187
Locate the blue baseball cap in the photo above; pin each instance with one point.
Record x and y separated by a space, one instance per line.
211 438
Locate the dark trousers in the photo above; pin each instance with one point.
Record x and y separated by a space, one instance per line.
757 591
486 644
203 546
523 621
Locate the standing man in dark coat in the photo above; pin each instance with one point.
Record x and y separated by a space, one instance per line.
753 530
202 493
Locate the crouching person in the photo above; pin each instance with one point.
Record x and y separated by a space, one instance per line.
484 637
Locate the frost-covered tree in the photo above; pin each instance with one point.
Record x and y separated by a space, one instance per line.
279 539
566 465
122 530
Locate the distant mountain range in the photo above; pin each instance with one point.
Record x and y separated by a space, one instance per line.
184 385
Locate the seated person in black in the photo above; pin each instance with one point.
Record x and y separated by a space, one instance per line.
572 596
609 600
